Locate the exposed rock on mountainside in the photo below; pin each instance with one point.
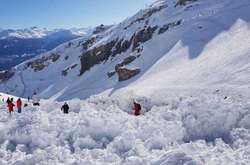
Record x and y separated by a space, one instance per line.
65 71
88 43
143 36
183 2
111 74
96 56
102 53
168 26
122 46
6 75
125 74
126 61
101 28
41 63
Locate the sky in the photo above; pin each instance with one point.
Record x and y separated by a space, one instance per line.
51 14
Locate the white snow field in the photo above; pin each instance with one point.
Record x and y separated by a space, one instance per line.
193 86
188 128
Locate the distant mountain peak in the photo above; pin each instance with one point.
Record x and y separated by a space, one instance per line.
19 45
37 32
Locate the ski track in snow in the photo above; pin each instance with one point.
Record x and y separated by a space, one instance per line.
175 129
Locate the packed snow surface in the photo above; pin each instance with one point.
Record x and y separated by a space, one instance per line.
176 128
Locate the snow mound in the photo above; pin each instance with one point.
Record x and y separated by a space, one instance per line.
178 128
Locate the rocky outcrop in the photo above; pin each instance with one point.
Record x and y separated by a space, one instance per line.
183 2
126 61
101 28
102 53
119 66
96 56
122 46
40 64
169 26
126 74
143 36
111 74
6 75
65 71
88 43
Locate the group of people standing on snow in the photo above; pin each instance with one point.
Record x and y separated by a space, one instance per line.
35 102
19 103
11 105
65 107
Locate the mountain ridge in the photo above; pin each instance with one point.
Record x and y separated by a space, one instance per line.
19 45
37 32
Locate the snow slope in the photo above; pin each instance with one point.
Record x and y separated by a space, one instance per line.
193 87
200 45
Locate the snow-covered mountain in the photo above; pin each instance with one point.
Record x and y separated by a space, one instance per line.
184 44
36 32
187 62
19 45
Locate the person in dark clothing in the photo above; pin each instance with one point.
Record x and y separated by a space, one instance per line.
8 100
10 106
35 99
65 108
137 108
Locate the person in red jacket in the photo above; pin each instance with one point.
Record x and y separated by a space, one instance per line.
137 108
19 105
10 107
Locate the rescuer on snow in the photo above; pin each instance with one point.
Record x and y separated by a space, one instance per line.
19 105
10 106
65 108
35 99
136 108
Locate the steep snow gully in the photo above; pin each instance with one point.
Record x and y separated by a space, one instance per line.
177 128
